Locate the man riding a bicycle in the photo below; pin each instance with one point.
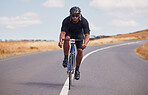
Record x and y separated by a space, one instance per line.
74 26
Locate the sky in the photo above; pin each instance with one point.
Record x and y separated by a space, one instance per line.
42 19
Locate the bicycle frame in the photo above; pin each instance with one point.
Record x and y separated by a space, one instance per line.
72 53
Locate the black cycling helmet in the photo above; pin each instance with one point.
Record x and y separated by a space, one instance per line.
75 10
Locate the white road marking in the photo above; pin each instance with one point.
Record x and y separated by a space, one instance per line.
65 88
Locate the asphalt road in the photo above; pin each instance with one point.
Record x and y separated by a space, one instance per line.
114 69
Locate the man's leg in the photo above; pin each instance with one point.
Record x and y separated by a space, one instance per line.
79 57
66 51
78 62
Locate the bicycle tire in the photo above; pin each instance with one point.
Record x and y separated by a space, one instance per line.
70 72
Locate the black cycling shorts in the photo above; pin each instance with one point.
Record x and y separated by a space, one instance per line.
78 43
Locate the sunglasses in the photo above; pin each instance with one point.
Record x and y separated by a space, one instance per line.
75 15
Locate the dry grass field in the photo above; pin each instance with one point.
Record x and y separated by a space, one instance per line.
142 51
9 48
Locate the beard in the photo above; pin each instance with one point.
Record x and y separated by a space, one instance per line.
75 20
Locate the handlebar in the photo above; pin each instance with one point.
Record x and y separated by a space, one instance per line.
71 40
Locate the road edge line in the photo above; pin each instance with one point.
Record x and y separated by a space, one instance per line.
65 88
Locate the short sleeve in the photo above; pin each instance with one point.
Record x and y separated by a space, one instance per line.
86 26
64 26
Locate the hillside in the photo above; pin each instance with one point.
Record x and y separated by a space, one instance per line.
139 35
122 37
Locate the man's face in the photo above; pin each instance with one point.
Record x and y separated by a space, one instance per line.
75 17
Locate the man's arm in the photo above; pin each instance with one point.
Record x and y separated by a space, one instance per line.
86 32
86 40
62 36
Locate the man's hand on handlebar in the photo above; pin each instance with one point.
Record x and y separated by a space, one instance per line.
84 46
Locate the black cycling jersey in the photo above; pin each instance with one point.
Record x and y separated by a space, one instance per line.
75 30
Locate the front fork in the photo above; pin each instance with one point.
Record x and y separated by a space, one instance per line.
73 58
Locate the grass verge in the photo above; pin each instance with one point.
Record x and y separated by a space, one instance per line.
142 51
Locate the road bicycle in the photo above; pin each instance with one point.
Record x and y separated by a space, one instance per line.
71 62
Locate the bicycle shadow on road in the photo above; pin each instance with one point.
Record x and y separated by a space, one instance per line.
43 84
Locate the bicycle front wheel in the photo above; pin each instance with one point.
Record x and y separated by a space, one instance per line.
70 72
